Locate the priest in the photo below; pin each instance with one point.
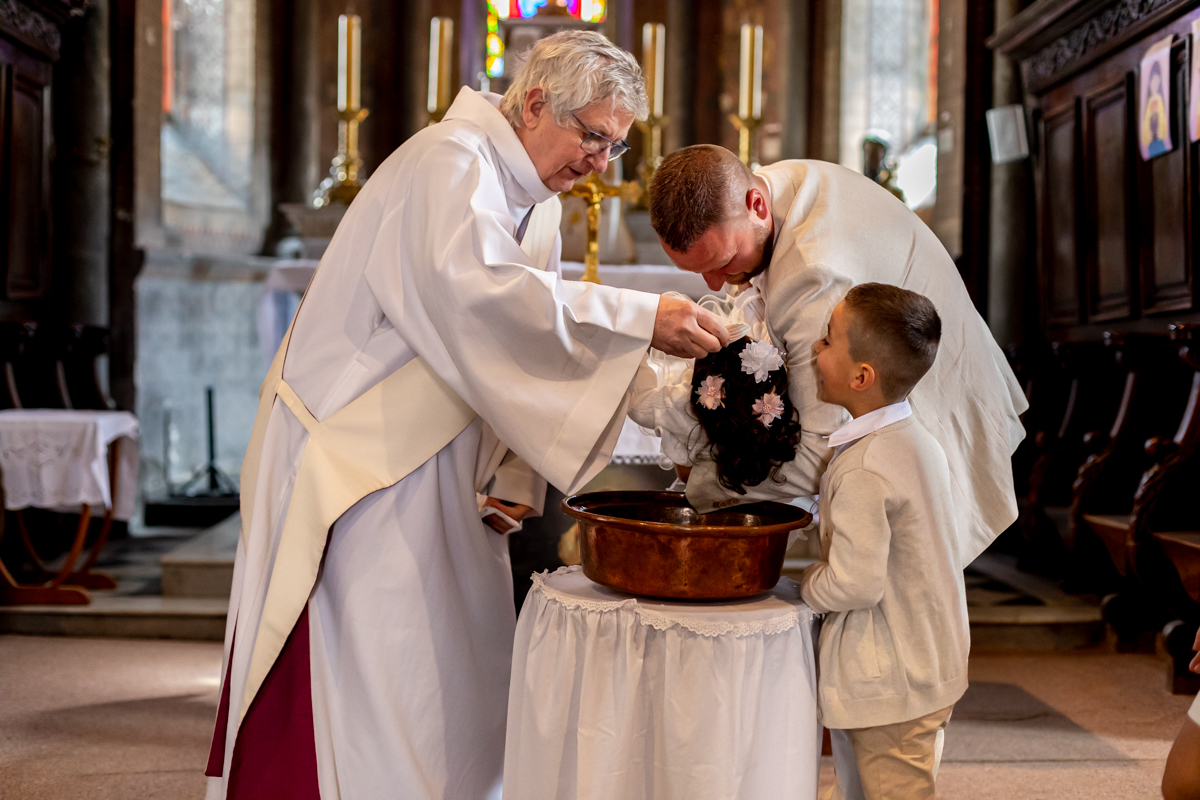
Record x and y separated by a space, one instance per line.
804 232
437 357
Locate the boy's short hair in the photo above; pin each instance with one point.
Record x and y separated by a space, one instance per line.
894 330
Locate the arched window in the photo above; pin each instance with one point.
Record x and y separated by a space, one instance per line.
889 88
208 102
506 32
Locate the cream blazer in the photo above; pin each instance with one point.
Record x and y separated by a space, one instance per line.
835 229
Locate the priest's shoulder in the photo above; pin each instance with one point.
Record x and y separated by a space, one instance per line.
451 137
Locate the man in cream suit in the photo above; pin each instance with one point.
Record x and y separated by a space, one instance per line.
804 232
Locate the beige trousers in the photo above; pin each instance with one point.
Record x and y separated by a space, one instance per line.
894 762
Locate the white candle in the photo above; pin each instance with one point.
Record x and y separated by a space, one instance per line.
654 56
441 49
349 62
750 76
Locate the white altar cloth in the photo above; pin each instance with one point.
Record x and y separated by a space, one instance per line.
615 697
59 459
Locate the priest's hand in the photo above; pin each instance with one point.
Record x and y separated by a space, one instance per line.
685 330
515 511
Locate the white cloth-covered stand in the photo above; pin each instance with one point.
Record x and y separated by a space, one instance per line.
59 458
615 697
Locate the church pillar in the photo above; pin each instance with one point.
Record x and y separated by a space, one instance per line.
124 259
960 216
81 179
296 113
682 65
825 84
795 48
1011 278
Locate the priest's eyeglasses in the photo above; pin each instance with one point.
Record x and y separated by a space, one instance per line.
596 143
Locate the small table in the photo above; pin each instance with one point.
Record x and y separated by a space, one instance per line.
615 697
64 459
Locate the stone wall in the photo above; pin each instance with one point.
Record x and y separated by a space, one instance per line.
196 328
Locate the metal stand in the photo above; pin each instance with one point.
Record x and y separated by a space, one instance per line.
218 483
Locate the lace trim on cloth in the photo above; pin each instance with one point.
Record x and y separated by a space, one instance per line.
661 622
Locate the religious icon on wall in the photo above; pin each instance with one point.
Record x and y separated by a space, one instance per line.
1194 105
1154 132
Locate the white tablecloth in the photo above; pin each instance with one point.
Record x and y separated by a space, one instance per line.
59 459
621 698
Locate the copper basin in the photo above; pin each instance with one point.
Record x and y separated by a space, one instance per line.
655 544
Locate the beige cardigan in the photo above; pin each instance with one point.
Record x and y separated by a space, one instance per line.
894 641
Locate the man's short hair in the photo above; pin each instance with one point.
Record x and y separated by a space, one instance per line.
894 330
693 189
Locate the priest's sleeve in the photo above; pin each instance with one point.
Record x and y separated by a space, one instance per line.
546 363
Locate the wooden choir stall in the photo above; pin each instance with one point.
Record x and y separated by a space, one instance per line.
1110 470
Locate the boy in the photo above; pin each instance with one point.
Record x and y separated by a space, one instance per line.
894 641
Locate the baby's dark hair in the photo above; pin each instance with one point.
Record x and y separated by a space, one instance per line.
745 451
896 331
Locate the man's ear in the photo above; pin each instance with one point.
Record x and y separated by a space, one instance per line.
864 378
534 109
756 203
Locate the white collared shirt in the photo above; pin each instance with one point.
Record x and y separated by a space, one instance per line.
870 422
856 429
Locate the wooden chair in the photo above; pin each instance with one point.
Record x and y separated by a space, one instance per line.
1094 382
82 347
1162 534
34 371
1155 396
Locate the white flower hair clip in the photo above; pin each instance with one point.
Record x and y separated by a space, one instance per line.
759 359
712 392
768 408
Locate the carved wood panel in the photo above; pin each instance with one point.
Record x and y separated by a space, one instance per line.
1164 208
1107 163
27 273
1060 243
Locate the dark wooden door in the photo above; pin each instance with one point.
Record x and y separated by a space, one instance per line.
26 181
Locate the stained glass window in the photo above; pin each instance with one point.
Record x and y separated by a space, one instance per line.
495 42
500 10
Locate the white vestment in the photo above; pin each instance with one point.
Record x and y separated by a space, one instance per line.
835 229
411 618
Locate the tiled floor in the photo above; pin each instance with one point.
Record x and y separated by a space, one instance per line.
113 719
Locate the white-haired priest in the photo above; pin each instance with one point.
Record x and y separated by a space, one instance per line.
437 355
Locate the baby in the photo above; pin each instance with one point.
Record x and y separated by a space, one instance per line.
894 641
731 407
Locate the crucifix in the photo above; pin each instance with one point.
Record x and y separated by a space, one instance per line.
594 191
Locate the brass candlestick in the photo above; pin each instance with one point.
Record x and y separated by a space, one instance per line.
654 61
746 127
441 49
595 191
345 172
652 129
